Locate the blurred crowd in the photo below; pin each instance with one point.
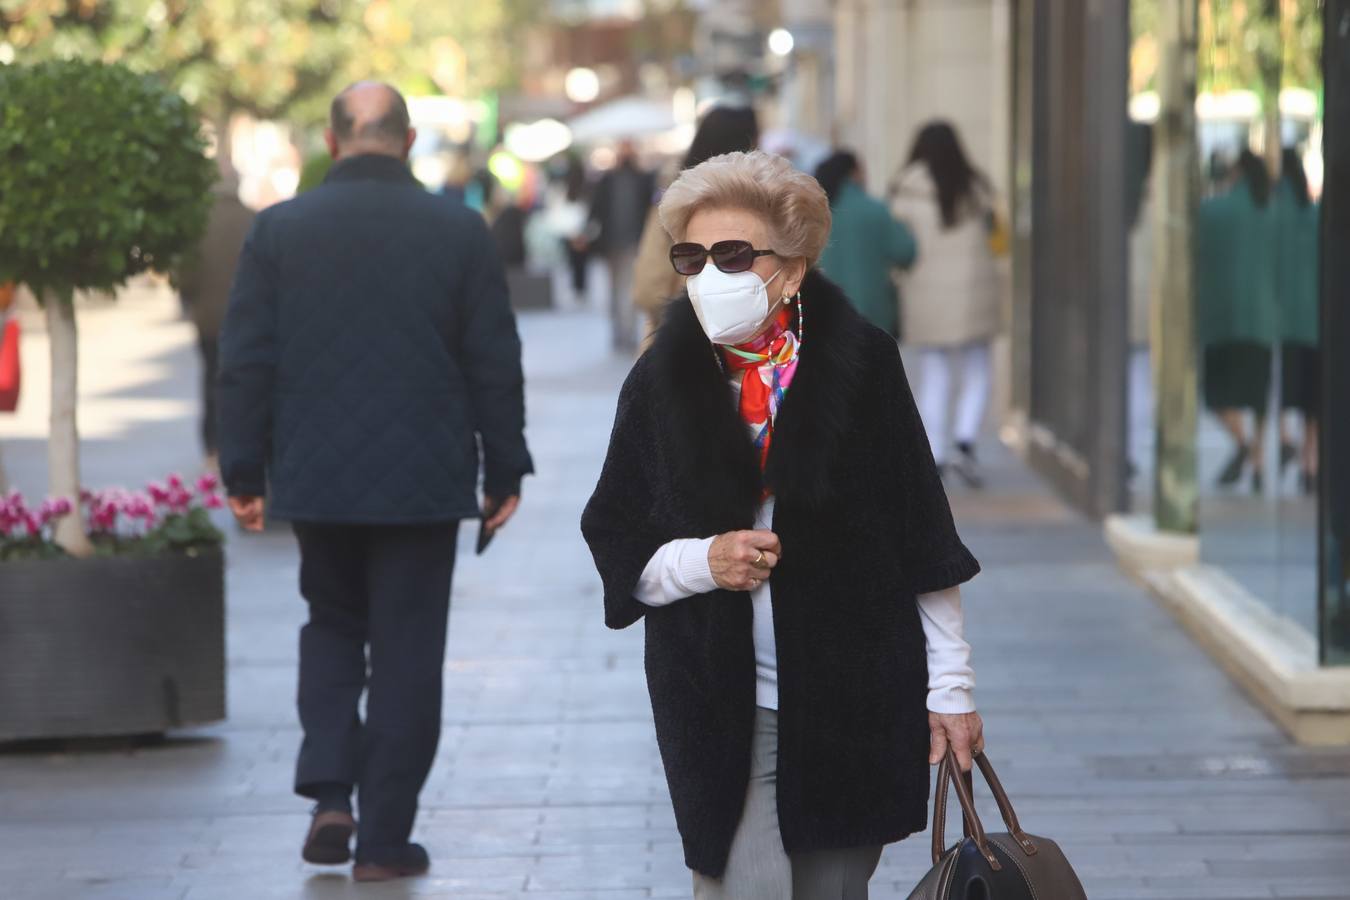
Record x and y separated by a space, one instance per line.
1256 290
581 231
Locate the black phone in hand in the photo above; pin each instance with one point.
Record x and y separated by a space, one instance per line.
485 534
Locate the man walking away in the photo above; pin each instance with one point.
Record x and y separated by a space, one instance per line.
618 211
368 349
204 284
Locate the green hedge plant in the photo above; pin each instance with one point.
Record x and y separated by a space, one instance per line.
103 175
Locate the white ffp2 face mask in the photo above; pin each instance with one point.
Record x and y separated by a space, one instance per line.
730 307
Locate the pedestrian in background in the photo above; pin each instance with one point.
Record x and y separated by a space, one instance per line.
368 349
204 286
723 129
951 295
1236 285
1297 220
568 213
769 505
867 245
1139 211
618 210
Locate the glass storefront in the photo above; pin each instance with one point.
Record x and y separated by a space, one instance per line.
1334 470
1171 262
1258 182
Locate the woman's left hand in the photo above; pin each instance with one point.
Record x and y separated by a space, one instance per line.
964 732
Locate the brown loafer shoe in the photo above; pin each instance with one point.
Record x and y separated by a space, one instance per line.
329 839
408 862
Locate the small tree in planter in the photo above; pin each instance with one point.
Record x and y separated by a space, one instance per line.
103 175
128 641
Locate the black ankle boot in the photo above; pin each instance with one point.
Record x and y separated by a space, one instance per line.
1233 471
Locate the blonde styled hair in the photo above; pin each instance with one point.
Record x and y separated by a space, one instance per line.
791 203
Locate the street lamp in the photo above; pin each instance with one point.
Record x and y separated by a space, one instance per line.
781 42
581 85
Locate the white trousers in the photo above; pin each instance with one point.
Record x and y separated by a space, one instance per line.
939 387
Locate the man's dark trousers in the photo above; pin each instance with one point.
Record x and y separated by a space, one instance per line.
386 588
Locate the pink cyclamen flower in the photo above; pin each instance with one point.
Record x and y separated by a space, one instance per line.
213 501
143 508
62 507
175 481
33 524
180 498
159 495
207 483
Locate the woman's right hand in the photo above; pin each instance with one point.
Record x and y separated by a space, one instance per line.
742 560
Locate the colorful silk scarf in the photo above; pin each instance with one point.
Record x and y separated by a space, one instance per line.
763 369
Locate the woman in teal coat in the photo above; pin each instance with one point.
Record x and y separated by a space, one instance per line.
1236 289
866 243
1297 262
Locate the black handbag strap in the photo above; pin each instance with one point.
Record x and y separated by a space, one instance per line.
949 772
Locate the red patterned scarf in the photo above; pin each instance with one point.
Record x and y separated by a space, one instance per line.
765 367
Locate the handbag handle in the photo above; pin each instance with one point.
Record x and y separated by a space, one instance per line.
974 828
971 820
1005 806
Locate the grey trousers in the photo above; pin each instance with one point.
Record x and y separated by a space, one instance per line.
759 868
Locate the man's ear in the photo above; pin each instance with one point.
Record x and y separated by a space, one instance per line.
331 140
408 144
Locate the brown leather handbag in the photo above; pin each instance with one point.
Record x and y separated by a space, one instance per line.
1002 866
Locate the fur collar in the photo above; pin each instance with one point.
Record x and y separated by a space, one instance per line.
712 448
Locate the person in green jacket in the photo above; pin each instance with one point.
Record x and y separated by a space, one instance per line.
1297 222
866 243
1235 306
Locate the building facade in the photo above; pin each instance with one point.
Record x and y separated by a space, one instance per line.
1172 360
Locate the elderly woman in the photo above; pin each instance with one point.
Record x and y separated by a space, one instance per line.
770 505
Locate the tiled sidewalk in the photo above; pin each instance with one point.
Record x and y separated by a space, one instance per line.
1114 734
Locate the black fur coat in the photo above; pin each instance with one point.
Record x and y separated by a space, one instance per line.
865 528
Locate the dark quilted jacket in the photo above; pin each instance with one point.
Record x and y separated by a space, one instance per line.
369 346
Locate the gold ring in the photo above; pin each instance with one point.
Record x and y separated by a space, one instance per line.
759 560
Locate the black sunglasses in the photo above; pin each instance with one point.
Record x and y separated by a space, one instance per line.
729 256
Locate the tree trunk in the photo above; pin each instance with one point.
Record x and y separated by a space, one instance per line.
63 444
1272 77
1176 182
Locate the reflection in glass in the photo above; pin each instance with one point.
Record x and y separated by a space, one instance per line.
1257 309
1297 234
1258 138
1235 284
1235 303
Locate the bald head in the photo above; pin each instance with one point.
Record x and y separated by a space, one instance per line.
369 117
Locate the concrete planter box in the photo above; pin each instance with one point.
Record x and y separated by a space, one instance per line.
105 647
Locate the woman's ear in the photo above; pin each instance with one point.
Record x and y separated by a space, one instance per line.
794 272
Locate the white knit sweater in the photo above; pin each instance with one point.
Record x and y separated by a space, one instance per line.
681 569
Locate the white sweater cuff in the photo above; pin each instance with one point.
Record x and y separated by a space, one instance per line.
951 701
677 570
693 569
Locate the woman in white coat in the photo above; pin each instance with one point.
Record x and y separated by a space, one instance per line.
950 297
